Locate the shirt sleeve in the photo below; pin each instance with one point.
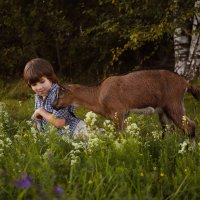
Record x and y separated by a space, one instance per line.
71 109
62 113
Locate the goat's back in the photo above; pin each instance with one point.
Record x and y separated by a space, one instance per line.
142 89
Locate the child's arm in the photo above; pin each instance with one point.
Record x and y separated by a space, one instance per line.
41 112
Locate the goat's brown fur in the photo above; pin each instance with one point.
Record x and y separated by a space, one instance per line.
158 91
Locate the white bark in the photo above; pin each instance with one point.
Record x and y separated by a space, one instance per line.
181 49
187 53
193 63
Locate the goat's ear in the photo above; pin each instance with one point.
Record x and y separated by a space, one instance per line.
67 87
61 87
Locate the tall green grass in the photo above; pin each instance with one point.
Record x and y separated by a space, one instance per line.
137 165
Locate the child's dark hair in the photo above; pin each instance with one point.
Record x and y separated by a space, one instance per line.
36 68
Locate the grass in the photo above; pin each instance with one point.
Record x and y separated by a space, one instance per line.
139 165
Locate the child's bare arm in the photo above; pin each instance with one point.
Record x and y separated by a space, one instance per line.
41 112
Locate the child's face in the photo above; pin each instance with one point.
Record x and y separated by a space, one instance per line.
42 87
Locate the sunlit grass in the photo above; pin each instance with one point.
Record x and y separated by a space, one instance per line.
137 165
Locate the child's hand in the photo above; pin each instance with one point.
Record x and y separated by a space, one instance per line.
37 114
38 117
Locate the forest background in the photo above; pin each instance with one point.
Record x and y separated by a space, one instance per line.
87 41
90 40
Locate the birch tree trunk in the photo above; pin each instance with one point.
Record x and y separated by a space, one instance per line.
187 51
193 64
181 49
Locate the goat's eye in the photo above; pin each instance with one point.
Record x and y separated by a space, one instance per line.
61 95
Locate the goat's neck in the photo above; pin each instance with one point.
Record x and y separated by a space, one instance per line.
87 96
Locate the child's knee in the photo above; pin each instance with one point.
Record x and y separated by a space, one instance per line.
81 130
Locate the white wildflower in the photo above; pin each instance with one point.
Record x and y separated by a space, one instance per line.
47 140
29 122
185 146
106 122
109 125
26 135
74 160
156 135
66 138
118 144
34 137
184 118
8 141
133 129
92 142
74 153
147 144
90 118
17 137
66 128
33 130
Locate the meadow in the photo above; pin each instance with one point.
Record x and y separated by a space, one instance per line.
137 165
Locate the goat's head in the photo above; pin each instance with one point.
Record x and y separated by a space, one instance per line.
63 98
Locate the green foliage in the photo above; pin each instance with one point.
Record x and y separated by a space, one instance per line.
137 165
96 38
15 89
26 27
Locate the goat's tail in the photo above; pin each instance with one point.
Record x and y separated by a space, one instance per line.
194 91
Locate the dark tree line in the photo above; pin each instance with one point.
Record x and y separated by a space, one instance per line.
89 39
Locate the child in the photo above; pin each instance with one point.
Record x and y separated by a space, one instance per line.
40 76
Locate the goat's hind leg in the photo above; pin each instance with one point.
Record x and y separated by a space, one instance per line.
177 115
189 126
166 122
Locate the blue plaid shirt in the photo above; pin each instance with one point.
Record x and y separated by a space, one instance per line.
66 113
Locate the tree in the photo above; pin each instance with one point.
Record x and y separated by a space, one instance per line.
99 37
187 45
134 30
30 29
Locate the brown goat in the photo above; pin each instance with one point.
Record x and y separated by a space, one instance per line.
146 91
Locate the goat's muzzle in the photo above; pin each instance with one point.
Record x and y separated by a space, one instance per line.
54 105
55 102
